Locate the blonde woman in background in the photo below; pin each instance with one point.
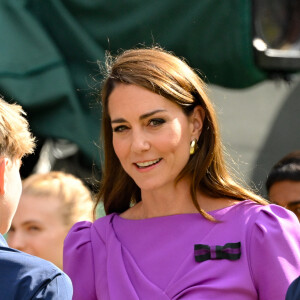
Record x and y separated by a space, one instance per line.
50 204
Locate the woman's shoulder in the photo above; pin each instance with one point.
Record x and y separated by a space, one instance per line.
256 216
84 246
273 243
271 225
273 215
82 232
83 240
261 212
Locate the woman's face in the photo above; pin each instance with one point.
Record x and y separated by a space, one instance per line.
151 135
38 229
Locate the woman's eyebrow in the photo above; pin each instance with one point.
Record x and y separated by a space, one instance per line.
142 117
120 120
149 114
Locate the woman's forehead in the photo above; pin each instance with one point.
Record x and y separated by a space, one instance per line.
136 100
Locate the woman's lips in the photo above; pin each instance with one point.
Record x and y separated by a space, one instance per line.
148 163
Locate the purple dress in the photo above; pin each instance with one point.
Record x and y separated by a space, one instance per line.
116 258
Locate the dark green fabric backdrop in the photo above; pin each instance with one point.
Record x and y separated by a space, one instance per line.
49 50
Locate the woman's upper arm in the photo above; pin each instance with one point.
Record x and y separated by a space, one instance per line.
274 251
78 261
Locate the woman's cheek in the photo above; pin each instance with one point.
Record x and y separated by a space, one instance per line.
119 147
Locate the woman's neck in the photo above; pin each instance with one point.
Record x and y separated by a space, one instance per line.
174 200
171 200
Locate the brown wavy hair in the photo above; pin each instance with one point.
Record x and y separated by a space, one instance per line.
163 73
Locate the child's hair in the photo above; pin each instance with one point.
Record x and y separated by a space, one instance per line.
15 137
75 198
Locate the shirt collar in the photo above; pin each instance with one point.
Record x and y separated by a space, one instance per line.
3 242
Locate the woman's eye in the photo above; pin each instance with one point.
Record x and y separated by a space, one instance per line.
120 128
156 122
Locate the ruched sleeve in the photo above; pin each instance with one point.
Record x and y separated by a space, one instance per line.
78 261
274 251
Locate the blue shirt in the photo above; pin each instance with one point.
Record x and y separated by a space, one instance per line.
23 276
293 292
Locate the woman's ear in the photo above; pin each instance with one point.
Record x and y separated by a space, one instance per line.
197 120
3 166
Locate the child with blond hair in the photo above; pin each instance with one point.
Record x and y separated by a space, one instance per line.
22 276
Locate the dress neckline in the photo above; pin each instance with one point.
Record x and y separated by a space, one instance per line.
213 213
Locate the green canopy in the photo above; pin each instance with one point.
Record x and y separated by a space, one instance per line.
49 52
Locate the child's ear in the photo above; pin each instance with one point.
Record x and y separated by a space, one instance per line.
3 166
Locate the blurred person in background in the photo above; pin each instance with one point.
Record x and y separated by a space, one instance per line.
283 182
50 204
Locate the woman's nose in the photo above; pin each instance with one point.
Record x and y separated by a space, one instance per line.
140 142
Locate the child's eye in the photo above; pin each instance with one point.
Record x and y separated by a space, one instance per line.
12 229
120 128
156 122
33 228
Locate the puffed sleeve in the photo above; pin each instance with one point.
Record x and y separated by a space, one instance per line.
78 261
274 251
59 288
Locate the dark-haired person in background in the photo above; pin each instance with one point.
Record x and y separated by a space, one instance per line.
283 182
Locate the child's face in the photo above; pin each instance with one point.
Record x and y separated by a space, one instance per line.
10 192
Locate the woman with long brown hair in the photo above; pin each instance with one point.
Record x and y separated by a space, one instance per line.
178 225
